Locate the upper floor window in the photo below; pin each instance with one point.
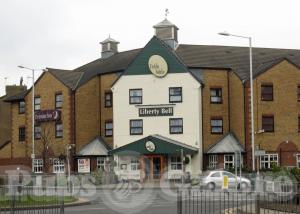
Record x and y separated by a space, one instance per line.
176 126
135 96
21 134
216 125
37 103
216 95
58 130
37 132
266 92
108 99
58 100
268 123
22 107
175 95
136 127
298 92
108 129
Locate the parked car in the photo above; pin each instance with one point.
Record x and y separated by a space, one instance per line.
214 179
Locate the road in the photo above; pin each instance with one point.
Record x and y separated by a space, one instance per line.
154 201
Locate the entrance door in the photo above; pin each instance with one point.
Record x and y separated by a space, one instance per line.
156 167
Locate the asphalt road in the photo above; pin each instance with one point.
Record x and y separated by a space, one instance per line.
155 201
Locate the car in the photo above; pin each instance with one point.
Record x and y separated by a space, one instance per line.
214 179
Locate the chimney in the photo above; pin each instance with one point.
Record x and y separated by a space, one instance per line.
167 32
109 47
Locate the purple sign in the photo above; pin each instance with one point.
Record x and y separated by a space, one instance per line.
47 115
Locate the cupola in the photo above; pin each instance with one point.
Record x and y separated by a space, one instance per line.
167 32
109 47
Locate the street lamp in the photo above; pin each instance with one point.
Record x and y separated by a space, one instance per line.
33 70
251 91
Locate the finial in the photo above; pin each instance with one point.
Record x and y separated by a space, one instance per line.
166 13
109 35
21 81
5 80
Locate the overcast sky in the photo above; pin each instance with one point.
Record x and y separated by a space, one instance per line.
66 33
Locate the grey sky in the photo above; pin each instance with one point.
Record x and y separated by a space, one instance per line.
66 33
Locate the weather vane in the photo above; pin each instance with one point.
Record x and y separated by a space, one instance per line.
166 13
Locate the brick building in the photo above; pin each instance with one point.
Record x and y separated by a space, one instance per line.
92 125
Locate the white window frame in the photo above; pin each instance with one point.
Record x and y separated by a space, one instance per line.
58 165
134 164
212 161
177 164
298 160
268 161
38 165
226 162
101 163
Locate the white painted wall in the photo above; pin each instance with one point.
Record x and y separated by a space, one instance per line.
156 91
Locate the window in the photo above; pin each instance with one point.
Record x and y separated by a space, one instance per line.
176 125
268 160
22 107
37 132
108 129
298 123
266 92
21 134
37 103
58 165
38 165
212 161
136 127
101 163
175 95
58 100
58 130
176 163
229 175
134 164
228 161
298 160
268 123
135 96
216 125
108 99
215 175
216 95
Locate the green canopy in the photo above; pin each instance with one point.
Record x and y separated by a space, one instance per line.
158 145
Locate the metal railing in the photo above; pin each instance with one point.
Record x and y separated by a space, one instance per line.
22 199
194 201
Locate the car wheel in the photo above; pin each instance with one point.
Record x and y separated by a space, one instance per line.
211 186
243 186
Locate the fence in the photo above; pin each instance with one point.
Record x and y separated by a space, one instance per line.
21 199
204 202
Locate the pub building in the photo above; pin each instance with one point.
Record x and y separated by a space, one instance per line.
164 109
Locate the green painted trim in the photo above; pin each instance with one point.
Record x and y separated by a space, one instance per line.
155 46
161 147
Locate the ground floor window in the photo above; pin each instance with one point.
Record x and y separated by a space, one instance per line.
268 160
58 165
212 161
134 164
176 163
228 161
38 165
101 163
298 160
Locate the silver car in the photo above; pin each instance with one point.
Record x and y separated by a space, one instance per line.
214 179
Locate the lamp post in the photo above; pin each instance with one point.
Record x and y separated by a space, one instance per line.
33 70
251 91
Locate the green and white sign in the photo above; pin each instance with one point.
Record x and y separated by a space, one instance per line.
158 65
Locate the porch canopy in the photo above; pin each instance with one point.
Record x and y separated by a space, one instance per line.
162 145
96 147
228 144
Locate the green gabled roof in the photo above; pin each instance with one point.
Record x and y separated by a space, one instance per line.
163 145
155 46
